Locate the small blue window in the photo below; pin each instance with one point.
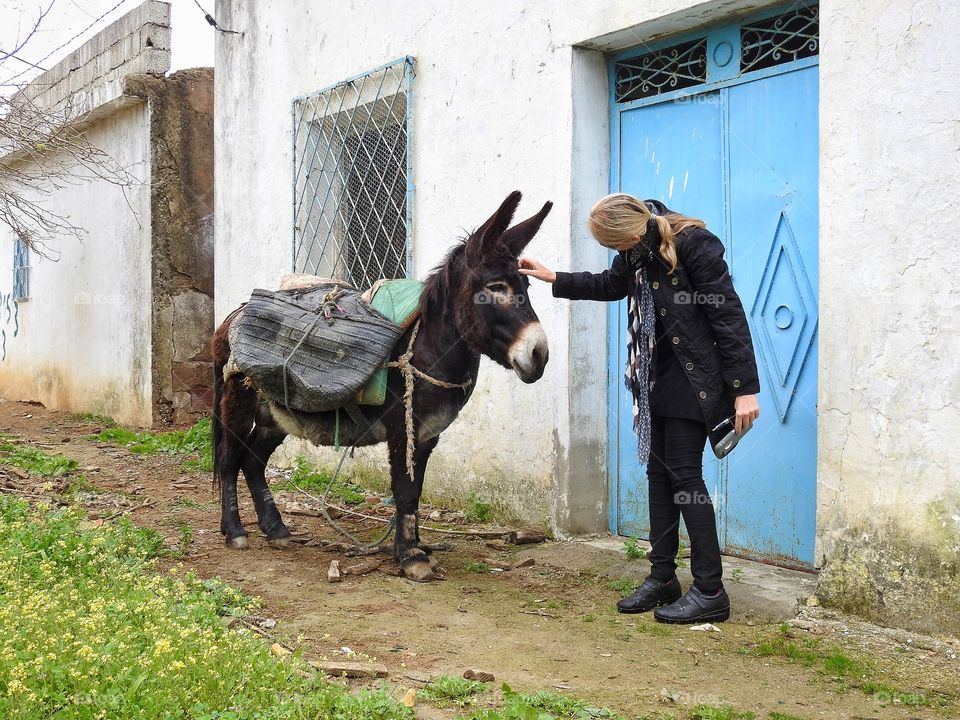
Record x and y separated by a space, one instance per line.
21 270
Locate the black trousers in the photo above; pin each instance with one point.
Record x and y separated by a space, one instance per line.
675 474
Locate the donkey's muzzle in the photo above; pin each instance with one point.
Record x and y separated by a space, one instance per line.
529 352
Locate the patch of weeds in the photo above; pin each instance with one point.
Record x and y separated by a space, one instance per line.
308 477
92 419
890 695
447 691
195 444
622 585
718 712
104 635
589 617
185 503
478 567
541 706
553 605
737 574
837 664
477 510
654 628
633 549
35 461
680 560
186 537
783 716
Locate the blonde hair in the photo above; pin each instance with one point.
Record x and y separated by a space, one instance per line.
620 221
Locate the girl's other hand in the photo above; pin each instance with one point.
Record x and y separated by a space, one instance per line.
747 409
535 268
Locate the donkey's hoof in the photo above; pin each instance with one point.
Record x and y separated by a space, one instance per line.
419 571
280 543
239 542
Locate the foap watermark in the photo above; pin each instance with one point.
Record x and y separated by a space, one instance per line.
700 99
486 297
686 297
691 498
85 298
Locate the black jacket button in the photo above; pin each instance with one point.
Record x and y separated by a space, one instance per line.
674 281
676 340
736 383
655 284
663 311
689 366
703 395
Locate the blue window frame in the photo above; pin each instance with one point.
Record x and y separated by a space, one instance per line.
21 270
353 177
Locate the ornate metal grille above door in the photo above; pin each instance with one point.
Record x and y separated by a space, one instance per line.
353 179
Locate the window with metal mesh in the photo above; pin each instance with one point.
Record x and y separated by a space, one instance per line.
781 39
673 68
353 182
21 269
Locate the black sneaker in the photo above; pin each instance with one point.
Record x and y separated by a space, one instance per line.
696 607
651 594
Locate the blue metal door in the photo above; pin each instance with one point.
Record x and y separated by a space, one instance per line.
735 144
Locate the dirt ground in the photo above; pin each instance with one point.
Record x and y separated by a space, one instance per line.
551 625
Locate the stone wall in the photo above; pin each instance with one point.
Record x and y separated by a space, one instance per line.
181 198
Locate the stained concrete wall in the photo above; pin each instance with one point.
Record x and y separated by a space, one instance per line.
82 340
889 489
120 324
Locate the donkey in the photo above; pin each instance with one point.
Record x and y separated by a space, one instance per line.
474 303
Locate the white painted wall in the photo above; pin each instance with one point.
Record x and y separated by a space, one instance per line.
84 335
493 111
889 493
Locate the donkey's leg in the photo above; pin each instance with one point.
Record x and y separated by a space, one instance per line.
263 441
238 407
406 494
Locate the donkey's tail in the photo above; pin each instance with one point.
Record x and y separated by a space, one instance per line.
220 347
216 421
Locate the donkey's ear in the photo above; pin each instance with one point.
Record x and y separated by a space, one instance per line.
516 238
487 235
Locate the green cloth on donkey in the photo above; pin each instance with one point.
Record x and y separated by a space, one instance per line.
398 301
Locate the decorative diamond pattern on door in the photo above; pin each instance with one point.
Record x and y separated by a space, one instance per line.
785 313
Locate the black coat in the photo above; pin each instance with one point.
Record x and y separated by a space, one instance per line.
700 311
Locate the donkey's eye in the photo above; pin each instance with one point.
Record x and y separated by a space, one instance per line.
498 287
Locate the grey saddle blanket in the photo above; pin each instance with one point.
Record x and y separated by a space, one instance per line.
311 349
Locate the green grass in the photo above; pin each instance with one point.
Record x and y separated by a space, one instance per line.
314 480
194 444
92 419
35 461
478 567
783 716
718 712
633 549
622 585
91 630
477 510
589 617
447 691
889 695
543 705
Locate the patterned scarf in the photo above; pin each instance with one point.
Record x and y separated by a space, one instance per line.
641 333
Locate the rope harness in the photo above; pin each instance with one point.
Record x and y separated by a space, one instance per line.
410 373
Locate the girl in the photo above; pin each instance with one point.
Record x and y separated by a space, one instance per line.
690 367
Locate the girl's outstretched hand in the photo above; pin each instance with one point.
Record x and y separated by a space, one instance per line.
535 268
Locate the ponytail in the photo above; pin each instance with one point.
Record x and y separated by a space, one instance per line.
619 221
